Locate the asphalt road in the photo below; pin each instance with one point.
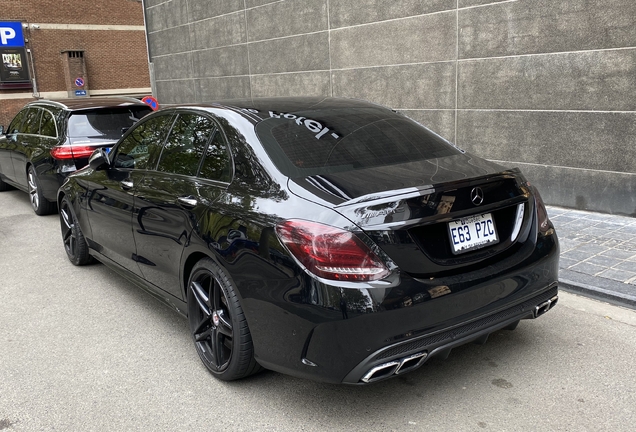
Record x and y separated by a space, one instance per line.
83 350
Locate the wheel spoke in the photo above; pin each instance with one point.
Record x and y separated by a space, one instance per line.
68 235
34 198
202 298
66 219
218 349
216 303
224 327
203 331
33 190
32 184
70 243
210 321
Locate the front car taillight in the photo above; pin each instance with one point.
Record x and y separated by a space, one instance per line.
71 152
331 253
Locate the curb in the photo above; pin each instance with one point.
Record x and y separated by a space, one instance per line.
597 293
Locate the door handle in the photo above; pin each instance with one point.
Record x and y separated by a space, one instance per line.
188 201
126 184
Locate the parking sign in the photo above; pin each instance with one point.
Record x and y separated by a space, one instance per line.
11 34
14 72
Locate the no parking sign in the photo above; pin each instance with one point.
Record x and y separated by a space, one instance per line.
151 102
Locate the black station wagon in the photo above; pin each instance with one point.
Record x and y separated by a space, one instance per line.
329 239
48 140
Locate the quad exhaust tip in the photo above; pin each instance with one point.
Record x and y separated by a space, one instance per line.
408 363
394 367
545 306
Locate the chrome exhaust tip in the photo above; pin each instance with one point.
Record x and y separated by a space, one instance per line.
394 367
381 371
411 362
545 306
541 309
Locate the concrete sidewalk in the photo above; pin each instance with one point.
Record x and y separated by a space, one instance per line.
598 254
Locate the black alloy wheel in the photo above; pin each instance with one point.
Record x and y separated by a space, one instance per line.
74 242
40 205
219 329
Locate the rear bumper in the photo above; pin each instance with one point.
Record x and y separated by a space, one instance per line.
407 356
339 334
51 177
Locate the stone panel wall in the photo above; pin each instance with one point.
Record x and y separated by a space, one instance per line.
546 85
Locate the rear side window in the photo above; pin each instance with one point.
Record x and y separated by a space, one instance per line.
31 124
186 144
344 139
47 125
140 149
110 123
217 164
14 126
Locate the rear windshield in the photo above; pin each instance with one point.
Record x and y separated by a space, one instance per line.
344 139
108 123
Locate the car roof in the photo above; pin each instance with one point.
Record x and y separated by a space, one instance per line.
89 103
251 108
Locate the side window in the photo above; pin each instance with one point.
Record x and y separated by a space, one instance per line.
14 126
185 146
216 165
47 127
140 148
31 124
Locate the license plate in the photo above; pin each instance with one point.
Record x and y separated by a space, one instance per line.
472 233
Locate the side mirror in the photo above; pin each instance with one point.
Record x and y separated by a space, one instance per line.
1 130
99 160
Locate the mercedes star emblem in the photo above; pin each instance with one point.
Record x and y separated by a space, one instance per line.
477 196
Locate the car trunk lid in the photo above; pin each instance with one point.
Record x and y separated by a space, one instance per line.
410 210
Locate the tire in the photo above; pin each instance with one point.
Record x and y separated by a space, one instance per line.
41 206
74 242
217 324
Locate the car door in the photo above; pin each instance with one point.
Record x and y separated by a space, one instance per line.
171 200
26 143
8 145
111 191
39 153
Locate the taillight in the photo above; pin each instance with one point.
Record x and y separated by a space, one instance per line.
71 152
542 213
331 253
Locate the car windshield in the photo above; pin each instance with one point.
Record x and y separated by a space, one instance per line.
315 142
108 123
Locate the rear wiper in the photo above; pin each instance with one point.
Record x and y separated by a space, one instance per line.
132 116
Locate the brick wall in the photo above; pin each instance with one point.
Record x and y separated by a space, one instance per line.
119 12
8 109
115 59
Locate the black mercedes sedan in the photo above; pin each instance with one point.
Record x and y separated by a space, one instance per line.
47 140
329 239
